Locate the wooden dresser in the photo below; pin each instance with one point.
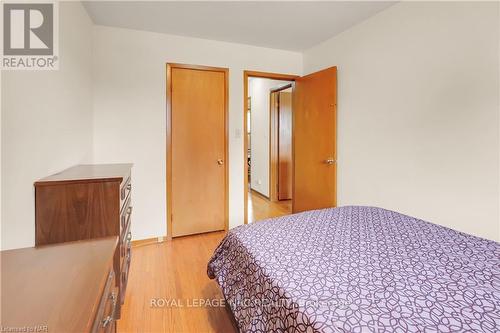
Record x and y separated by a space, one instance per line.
84 202
66 287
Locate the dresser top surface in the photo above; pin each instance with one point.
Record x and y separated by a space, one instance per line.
58 286
86 172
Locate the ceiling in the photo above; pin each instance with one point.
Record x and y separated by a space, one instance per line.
292 26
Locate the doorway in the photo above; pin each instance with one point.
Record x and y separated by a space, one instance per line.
305 169
268 153
197 149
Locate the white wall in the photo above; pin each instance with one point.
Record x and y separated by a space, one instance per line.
129 109
46 124
259 90
418 112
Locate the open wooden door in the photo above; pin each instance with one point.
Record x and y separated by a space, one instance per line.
314 141
285 169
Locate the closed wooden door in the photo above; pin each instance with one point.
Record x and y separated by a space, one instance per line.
285 146
315 123
198 150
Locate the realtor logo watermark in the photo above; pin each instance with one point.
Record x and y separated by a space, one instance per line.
30 36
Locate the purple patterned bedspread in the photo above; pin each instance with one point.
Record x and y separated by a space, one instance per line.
358 269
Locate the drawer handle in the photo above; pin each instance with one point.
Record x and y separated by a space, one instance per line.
129 210
106 321
129 187
129 236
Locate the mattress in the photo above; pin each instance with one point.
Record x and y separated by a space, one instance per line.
357 269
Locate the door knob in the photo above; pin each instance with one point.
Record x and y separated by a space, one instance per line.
330 161
220 161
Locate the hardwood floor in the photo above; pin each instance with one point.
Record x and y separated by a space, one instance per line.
166 279
173 275
260 208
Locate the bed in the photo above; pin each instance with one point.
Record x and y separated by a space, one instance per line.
357 269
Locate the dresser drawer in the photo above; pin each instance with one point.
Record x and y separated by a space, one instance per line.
106 315
125 257
125 214
124 272
125 189
125 240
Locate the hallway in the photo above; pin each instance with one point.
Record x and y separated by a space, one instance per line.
260 208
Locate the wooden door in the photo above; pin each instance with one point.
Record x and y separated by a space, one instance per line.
285 146
314 140
198 150
273 145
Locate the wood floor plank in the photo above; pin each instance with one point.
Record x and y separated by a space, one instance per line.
260 208
176 271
